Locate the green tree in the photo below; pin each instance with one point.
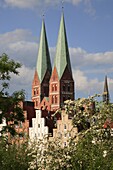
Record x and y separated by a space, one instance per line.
94 149
9 104
15 157
12 156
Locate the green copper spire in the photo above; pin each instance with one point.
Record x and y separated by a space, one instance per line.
62 58
106 91
43 62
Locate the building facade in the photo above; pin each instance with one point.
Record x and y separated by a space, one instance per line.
64 129
22 128
50 88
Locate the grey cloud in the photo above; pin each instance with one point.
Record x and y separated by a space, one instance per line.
80 58
30 4
25 52
16 35
23 81
38 3
83 83
90 86
19 45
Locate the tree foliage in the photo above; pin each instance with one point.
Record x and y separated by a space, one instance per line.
15 157
10 109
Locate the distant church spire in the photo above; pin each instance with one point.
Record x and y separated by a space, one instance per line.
106 91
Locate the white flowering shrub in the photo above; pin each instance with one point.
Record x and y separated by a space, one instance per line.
92 147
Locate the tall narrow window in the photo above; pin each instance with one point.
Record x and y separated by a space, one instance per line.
34 92
59 135
21 124
52 99
45 90
68 97
64 126
36 103
64 88
64 98
55 87
37 91
65 135
55 99
68 88
65 144
52 87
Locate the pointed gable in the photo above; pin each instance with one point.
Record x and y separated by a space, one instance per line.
43 62
35 79
62 58
54 76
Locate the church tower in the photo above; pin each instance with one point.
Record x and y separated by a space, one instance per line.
106 91
61 82
40 85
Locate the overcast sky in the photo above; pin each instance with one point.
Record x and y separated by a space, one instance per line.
89 26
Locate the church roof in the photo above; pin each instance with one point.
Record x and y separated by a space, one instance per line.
62 58
43 62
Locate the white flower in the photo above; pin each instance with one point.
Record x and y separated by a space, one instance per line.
104 153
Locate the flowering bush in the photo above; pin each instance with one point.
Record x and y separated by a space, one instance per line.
93 148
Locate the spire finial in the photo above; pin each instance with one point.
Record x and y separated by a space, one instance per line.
43 15
62 6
